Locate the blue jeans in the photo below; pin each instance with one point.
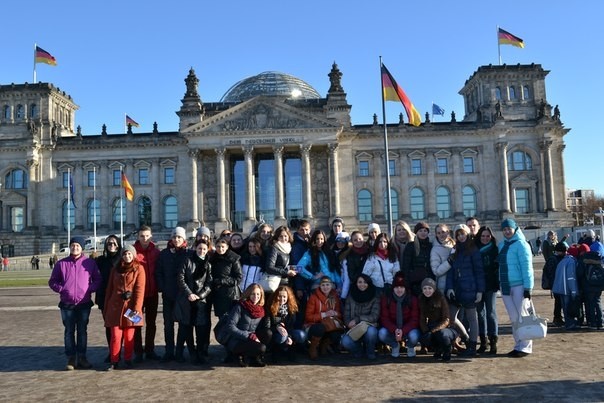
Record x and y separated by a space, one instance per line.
297 335
386 337
594 308
76 320
488 323
356 347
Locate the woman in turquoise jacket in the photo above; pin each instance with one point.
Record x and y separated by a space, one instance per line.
314 264
515 278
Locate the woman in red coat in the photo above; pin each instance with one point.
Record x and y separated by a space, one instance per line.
323 303
125 290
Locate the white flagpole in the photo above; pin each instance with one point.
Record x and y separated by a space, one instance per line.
94 204
35 47
121 207
498 46
68 205
386 155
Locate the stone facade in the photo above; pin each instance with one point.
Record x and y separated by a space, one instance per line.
505 158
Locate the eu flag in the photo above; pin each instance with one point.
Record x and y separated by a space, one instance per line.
437 110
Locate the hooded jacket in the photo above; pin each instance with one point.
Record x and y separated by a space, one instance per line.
75 280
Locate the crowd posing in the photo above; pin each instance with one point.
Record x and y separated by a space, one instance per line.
280 294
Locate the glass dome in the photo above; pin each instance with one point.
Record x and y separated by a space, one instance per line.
270 83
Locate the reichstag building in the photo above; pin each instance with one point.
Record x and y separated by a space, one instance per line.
273 148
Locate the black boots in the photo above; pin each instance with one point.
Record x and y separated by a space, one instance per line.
493 344
483 345
470 351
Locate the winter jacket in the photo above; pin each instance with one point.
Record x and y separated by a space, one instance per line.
121 281
433 312
277 264
226 276
565 282
106 262
466 276
299 247
168 263
75 280
352 265
194 277
308 272
148 259
490 265
410 313
319 303
416 264
252 269
439 262
515 263
380 270
362 311
239 325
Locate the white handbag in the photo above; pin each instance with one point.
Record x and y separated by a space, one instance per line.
531 326
270 282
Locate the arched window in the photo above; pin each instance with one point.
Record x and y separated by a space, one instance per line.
118 210
16 179
144 211
20 112
364 205
512 92
469 201
519 161
525 92
68 215
93 213
443 202
498 93
416 199
33 110
393 204
170 212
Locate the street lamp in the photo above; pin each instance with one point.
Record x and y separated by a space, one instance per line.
600 213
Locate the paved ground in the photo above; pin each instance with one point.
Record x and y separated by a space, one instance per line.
564 367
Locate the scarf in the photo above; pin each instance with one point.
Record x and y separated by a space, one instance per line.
255 311
363 296
382 253
504 281
126 267
283 311
363 250
172 246
284 247
400 302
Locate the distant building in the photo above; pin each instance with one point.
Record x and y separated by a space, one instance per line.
273 148
575 202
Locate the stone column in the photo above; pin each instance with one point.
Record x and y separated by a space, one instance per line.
279 191
220 173
546 162
562 183
379 185
334 178
31 209
502 149
156 204
194 184
403 197
78 184
457 191
430 189
306 183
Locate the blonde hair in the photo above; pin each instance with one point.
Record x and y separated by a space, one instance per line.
248 291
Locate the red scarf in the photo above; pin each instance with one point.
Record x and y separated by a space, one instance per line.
382 253
360 251
256 311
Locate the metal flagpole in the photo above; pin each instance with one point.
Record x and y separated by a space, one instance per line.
386 157
35 47
94 204
68 205
122 206
498 46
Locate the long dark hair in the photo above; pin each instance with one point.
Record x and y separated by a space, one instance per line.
315 252
479 234
391 248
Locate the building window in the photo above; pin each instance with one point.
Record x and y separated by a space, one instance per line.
416 166
363 168
469 201
91 179
16 179
169 175
443 202
522 201
170 212
416 198
525 92
117 177
265 187
6 112
68 215
143 176
16 219
65 180
144 211
238 191
442 166
364 205
512 92
392 167
468 165
33 111
393 204
119 211
94 213
20 114
293 187
519 161
498 93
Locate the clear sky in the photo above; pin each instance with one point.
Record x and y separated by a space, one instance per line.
117 57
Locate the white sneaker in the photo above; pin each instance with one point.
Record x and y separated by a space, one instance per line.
396 351
410 352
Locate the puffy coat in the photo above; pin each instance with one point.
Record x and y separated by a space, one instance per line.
169 262
319 303
194 277
75 280
380 270
565 282
252 267
148 259
239 325
362 311
416 264
124 279
433 312
515 263
439 263
410 313
466 276
490 265
277 264
226 276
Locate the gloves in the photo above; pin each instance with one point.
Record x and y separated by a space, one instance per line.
451 294
253 337
527 294
478 297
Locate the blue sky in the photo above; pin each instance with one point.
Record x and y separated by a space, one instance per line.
117 57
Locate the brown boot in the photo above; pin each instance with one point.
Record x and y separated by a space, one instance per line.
312 349
325 346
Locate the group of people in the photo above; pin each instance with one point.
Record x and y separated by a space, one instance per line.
306 291
575 276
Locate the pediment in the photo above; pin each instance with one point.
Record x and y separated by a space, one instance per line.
524 178
262 114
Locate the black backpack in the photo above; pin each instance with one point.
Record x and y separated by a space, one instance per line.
549 272
593 269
